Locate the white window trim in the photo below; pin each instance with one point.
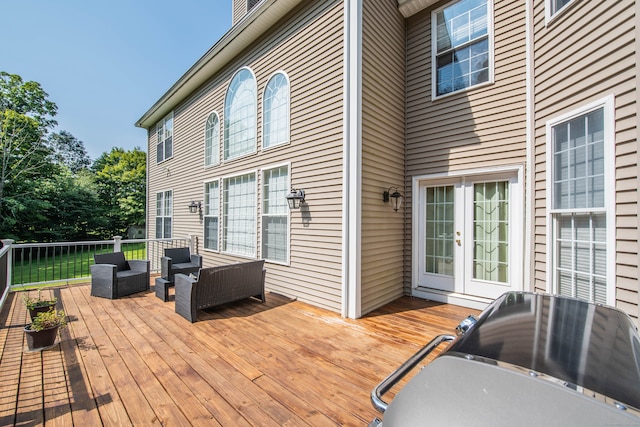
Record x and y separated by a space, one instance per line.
163 216
434 70
256 182
608 105
220 130
224 112
548 17
219 181
173 126
261 214
288 141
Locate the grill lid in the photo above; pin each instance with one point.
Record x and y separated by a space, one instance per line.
583 344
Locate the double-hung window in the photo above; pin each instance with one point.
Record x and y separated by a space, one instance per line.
164 147
462 35
212 140
240 115
164 206
275 214
275 122
239 214
580 153
212 215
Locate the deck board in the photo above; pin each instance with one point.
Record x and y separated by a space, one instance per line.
134 361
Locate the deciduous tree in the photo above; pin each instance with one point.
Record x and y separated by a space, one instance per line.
121 178
26 116
69 151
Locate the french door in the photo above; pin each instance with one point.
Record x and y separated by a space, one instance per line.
469 233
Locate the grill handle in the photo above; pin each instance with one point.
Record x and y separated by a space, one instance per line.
404 369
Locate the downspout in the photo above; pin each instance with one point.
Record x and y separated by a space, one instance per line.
352 160
149 201
528 283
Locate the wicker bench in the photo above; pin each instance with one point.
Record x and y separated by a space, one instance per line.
219 285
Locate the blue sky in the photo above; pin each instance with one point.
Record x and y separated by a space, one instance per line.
105 63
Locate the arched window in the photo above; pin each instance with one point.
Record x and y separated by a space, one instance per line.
240 115
276 111
212 140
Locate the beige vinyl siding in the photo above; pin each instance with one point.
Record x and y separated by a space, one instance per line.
307 45
480 127
238 11
383 70
585 54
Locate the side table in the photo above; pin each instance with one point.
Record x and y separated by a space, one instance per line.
162 288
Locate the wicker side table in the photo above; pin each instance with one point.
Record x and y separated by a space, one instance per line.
162 288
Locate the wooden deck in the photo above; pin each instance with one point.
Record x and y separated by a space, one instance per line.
134 361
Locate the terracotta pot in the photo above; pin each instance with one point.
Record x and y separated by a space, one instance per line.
37 340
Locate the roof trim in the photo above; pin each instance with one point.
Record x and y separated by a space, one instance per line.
411 7
243 34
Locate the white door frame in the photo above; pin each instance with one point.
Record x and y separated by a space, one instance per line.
517 252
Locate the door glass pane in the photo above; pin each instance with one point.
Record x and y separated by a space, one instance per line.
491 231
439 238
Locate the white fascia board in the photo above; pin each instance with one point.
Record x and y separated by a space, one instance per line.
239 37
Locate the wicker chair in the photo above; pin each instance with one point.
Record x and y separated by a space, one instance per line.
179 260
219 285
112 276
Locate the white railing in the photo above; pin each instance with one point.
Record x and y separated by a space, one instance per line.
32 264
5 269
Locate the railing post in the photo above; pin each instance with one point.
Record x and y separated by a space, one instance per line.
117 243
192 243
7 268
8 243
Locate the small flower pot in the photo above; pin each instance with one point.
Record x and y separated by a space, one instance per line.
40 340
33 312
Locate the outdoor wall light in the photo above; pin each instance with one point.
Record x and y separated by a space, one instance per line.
196 207
295 198
395 198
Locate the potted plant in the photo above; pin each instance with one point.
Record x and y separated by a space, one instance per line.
43 330
38 305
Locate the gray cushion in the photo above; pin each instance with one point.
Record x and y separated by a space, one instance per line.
116 258
128 273
178 255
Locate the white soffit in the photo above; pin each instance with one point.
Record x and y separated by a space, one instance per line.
411 7
240 36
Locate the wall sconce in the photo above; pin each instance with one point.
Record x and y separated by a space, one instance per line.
196 207
295 198
395 198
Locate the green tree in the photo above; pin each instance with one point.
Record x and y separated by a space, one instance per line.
26 116
63 208
73 209
69 151
121 178
26 98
